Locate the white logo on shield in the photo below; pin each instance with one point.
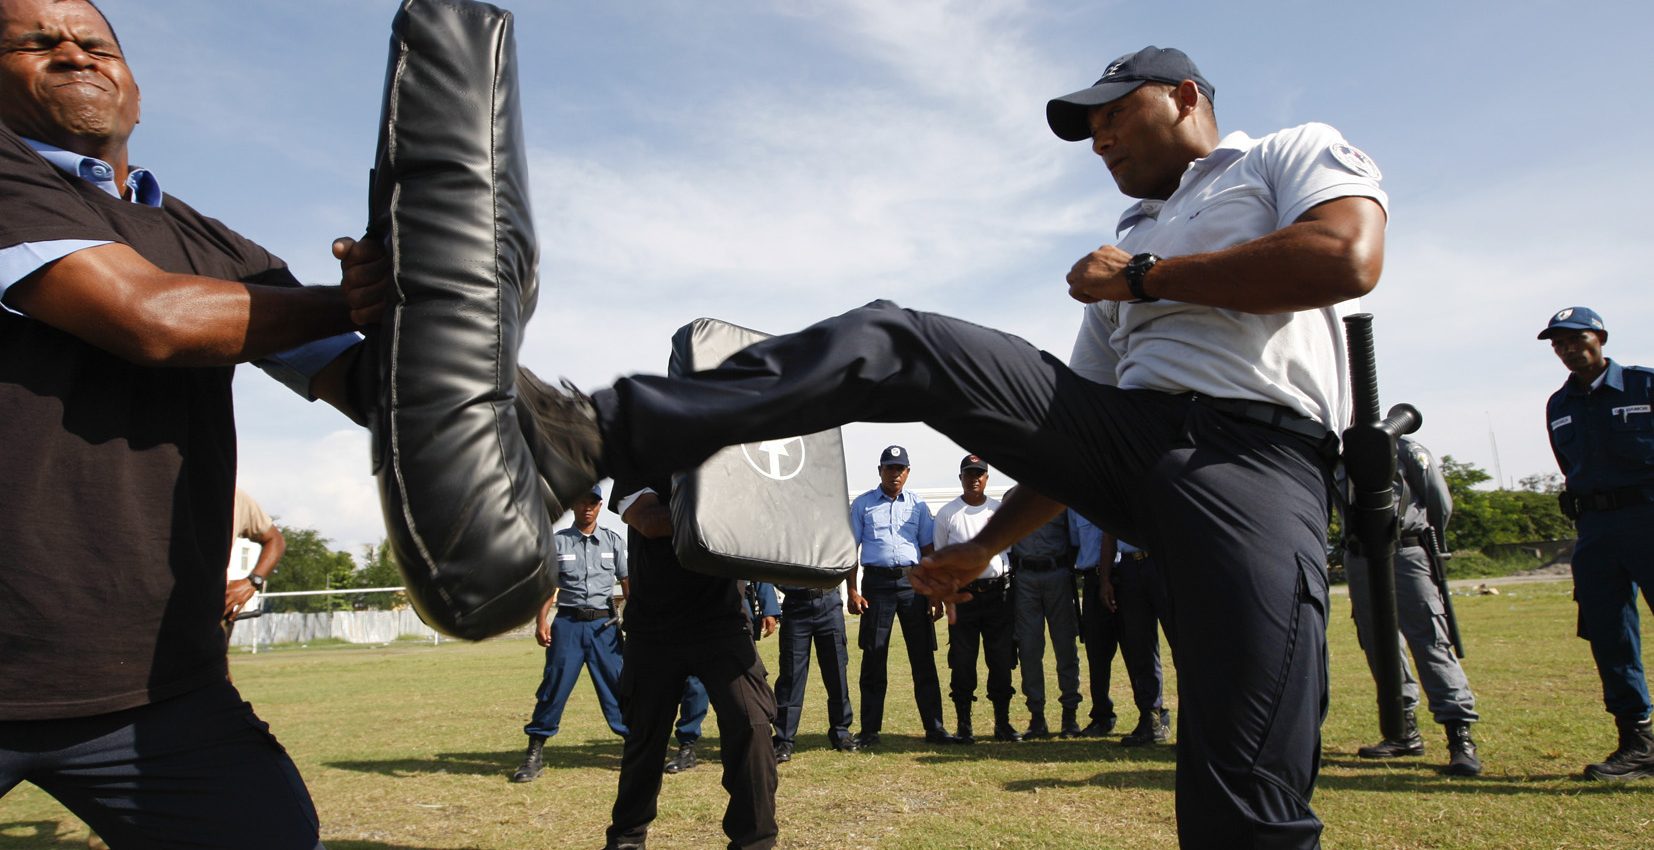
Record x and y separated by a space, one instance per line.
781 459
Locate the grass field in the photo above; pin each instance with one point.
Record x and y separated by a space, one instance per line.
410 746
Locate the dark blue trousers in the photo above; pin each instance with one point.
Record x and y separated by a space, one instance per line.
574 645
1144 606
692 707
1611 560
1100 628
809 618
198 770
1236 512
890 599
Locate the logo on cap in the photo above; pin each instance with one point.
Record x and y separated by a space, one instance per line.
780 459
1563 315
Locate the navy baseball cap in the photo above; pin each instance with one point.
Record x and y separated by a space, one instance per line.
1575 319
1067 115
597 490
973 462
894 456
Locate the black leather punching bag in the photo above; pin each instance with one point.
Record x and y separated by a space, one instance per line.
466 511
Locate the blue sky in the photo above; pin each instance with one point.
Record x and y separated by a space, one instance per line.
773 163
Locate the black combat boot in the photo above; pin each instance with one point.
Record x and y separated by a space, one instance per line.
532 761
1461 751
1409 744
1155 727
1635 757
684 760
1070 721
1036 724
1003 730
967 735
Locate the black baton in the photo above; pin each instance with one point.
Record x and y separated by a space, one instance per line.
1438 574
1370 461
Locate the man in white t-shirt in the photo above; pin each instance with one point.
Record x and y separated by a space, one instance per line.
1199 419
986 620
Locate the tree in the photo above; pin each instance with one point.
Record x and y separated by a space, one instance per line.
379 570
1486 517
310 564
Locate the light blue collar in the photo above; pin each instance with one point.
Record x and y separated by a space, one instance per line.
145 188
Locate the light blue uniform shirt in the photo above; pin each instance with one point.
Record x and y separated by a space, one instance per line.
891 531
294 367
588 567
1088 538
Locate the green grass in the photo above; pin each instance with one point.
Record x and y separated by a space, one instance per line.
409 746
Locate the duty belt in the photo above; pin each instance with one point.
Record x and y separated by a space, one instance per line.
803 593
988 585
1604 500
1134 556
1038 564
1272 415
582 615
875 567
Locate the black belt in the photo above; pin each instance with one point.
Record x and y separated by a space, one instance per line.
896 570
1038 564
1134 556
1606 500
803 593
582 615
1412 540
989 585
1272 415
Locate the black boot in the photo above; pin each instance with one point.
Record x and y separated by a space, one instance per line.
684 760
1461 752
1003 730
1036 725
1154 728
967 735
532 761
1070 721
1635 757
1409 744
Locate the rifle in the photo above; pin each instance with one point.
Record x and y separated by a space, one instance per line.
1438 575
1370 461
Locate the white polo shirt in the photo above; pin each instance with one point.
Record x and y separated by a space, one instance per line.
1244 189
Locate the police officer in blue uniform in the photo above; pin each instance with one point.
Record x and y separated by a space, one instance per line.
1135 590
812 617
1042 585
584 631
894 528
1602 430
1099 626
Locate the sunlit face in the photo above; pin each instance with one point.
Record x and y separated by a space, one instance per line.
973 482
586 511
1137 137
1580 351
892 477
63 78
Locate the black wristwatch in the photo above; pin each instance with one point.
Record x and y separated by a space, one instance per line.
256 580
1136 269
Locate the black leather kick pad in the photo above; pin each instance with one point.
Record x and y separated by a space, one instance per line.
465 509
775 511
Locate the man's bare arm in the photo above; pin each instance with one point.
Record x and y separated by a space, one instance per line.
1332 253
941 574
113 298
650 516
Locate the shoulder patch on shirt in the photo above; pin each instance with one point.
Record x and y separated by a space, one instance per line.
1558 423
1352 158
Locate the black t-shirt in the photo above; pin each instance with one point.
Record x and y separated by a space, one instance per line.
117 479
667 601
